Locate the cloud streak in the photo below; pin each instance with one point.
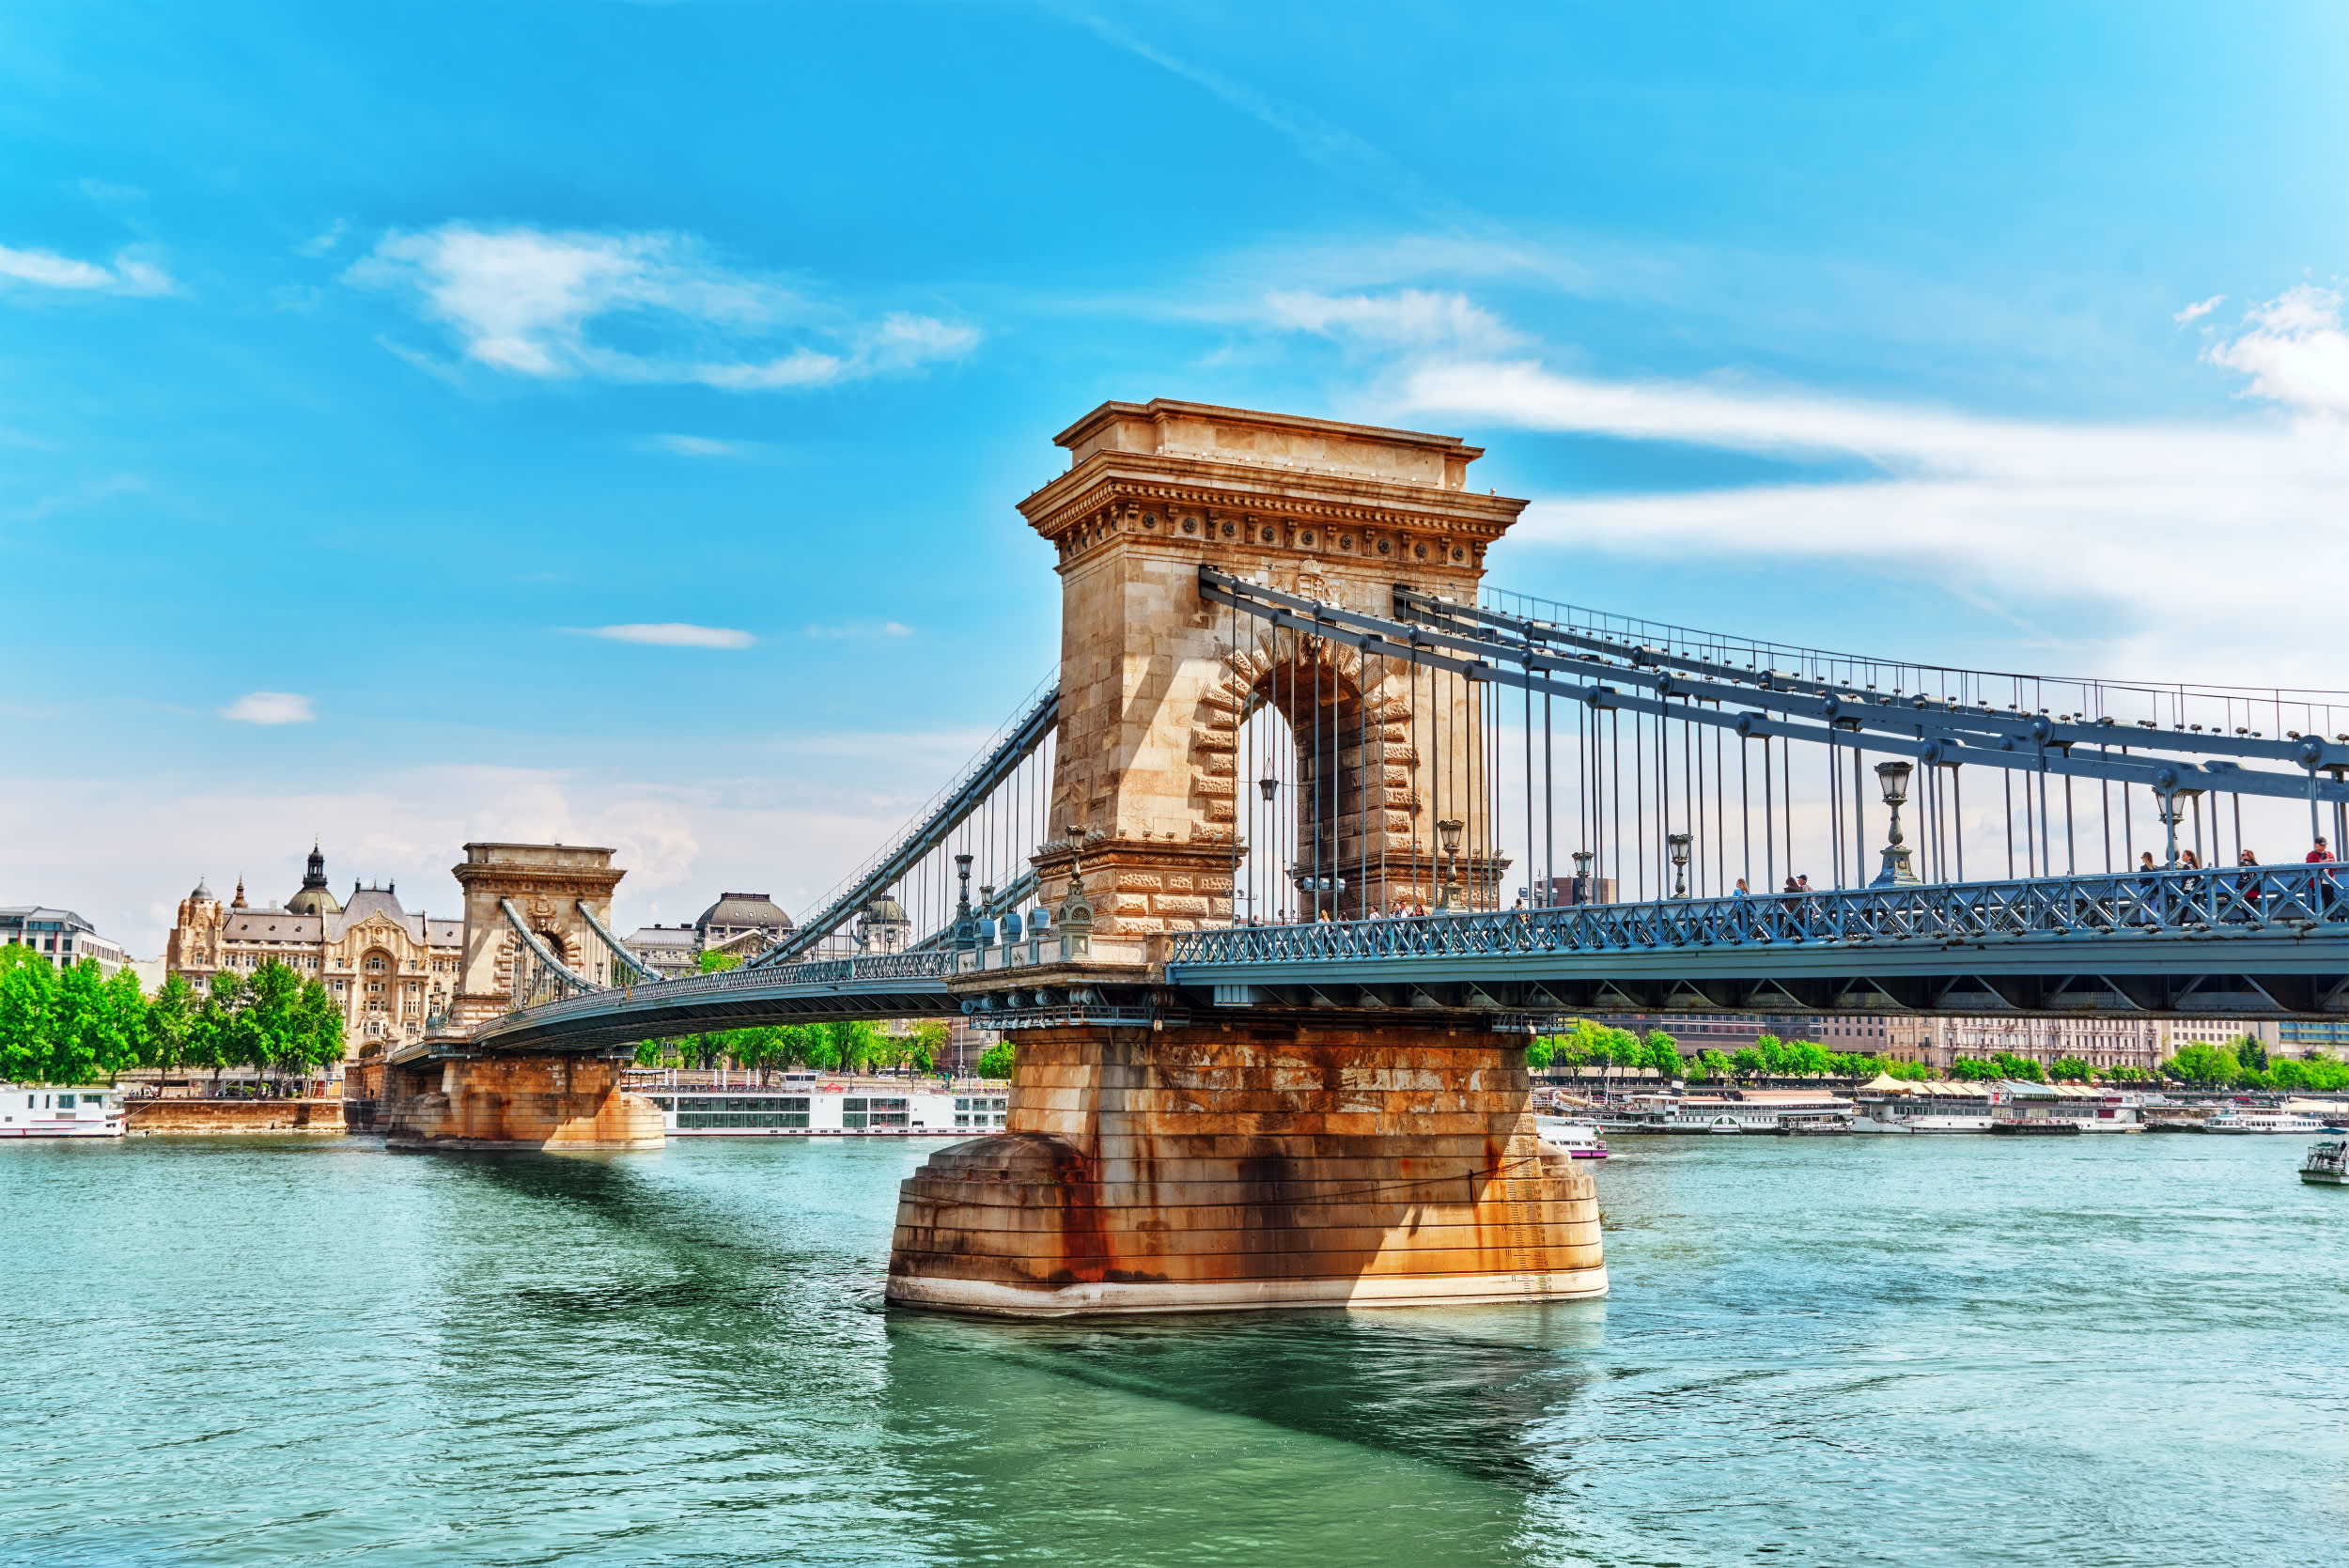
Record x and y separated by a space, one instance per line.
675 634
129 273
545 305
269 707
2192 538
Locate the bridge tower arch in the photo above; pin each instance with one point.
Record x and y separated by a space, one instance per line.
443 1092
1155 1161
1155 678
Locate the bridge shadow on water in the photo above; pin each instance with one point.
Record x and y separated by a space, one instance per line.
695 1343
1473 1389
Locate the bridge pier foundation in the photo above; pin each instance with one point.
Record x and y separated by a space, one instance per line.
564 1103
1250 1166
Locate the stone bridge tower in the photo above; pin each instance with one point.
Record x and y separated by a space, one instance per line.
443 1092
1157 1161
1155 680
546 883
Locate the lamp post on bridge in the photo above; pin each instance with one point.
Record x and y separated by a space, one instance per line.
2171 812
1893 778
1270 787
1583 890
1679 843
1448 892
966 919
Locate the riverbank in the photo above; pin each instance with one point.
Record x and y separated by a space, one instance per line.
213 1118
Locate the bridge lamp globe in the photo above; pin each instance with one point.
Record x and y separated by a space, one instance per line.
1268 787
1448 834
1679 843
1892 779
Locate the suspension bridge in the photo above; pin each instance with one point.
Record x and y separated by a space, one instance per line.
1268 883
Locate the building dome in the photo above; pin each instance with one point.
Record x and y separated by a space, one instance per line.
314 898
884 908
201 890
743 912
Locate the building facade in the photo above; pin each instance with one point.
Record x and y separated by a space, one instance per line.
62 937
390 969
2142 1043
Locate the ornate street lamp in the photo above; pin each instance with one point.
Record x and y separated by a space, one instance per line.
2172 805
966 923
1893 778
1583 892
1679 843
1268 787
1448 834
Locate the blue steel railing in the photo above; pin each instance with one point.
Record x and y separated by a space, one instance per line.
2146 904
815 972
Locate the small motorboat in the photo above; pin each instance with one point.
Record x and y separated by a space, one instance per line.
1578 1138
2327 1161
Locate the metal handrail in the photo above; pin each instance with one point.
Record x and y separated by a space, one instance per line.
781 977
2307 900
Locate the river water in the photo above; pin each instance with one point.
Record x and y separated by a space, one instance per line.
1953 1350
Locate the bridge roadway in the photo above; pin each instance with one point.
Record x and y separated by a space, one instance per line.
2269 943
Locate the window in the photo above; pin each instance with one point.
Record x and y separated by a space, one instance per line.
65 1102
742 1119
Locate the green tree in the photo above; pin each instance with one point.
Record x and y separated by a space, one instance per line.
317 1029
28 985
1540 1052
926 1046
163 1042
78 1024
1715 1066
267 1033
212 1043
718 963
2068 1069
1663 1054
2250 1051
2212 1065
996 1061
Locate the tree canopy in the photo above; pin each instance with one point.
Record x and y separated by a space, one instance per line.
76 1026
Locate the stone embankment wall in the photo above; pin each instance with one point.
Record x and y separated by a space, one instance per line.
211 1117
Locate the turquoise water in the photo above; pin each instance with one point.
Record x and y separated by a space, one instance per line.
1853 1351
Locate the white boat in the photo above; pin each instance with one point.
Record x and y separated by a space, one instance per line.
1580 1139
77 1112
806 1106
2327 1161
2262 1121
1760 1110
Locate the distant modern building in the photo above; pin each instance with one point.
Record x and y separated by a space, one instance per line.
389 968
62 937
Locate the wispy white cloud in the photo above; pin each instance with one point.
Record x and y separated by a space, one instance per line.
269 707
2173 532
860 629
675 634
528 303
699 446
1405 319
2294 353
2199 309
129 273
322 241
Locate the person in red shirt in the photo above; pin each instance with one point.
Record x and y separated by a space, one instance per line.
2319 853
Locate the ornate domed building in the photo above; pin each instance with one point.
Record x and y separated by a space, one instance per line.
388 968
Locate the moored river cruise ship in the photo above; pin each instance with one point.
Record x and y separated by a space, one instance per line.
809 1105
77 1112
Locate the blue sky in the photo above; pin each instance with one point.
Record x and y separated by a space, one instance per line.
361 368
